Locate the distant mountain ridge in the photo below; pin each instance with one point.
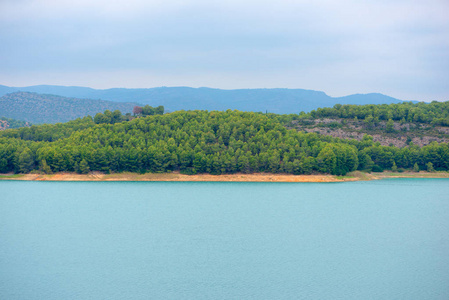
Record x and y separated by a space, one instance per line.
277 100
43 108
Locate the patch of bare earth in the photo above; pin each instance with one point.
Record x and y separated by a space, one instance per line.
419 134
259 177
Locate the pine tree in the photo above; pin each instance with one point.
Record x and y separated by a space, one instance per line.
45 167
390 126
415 167
394 168
26 161
83 167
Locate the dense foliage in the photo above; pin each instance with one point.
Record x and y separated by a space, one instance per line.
6 123
435 113
201 142
148 110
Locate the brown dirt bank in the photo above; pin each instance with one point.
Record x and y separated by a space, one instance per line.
258 177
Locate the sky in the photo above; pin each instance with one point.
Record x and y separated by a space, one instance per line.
399 47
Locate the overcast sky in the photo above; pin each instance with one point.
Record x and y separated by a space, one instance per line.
397 47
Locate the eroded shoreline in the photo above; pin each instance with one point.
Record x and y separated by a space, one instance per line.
258 177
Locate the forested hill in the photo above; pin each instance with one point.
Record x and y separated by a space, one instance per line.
7 123
44 108
203 142
393 124
281 101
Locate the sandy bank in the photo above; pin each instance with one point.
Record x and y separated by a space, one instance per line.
180 177
259 177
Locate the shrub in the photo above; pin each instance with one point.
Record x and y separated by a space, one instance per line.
377 168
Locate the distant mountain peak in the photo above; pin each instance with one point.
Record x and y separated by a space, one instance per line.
276 100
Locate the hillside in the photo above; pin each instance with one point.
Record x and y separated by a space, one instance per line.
7 123
280 101
44 108
197 142
395 124
400 136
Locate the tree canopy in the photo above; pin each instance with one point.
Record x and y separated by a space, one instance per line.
200 142
436 113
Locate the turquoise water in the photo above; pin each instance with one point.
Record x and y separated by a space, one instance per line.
384 239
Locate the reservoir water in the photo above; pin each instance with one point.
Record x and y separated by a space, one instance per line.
385 239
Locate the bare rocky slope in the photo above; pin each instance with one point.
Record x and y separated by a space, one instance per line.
400 135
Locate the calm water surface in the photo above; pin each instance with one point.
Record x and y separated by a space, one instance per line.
384 239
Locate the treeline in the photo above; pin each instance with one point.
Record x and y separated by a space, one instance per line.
435 113
148 110
6 123
116 116
202 142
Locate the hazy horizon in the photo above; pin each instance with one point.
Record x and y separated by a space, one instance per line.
396 48
199 87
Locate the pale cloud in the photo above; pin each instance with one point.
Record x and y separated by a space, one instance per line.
399 47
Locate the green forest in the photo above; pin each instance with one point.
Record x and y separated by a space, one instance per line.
6 123
215 142
435 113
